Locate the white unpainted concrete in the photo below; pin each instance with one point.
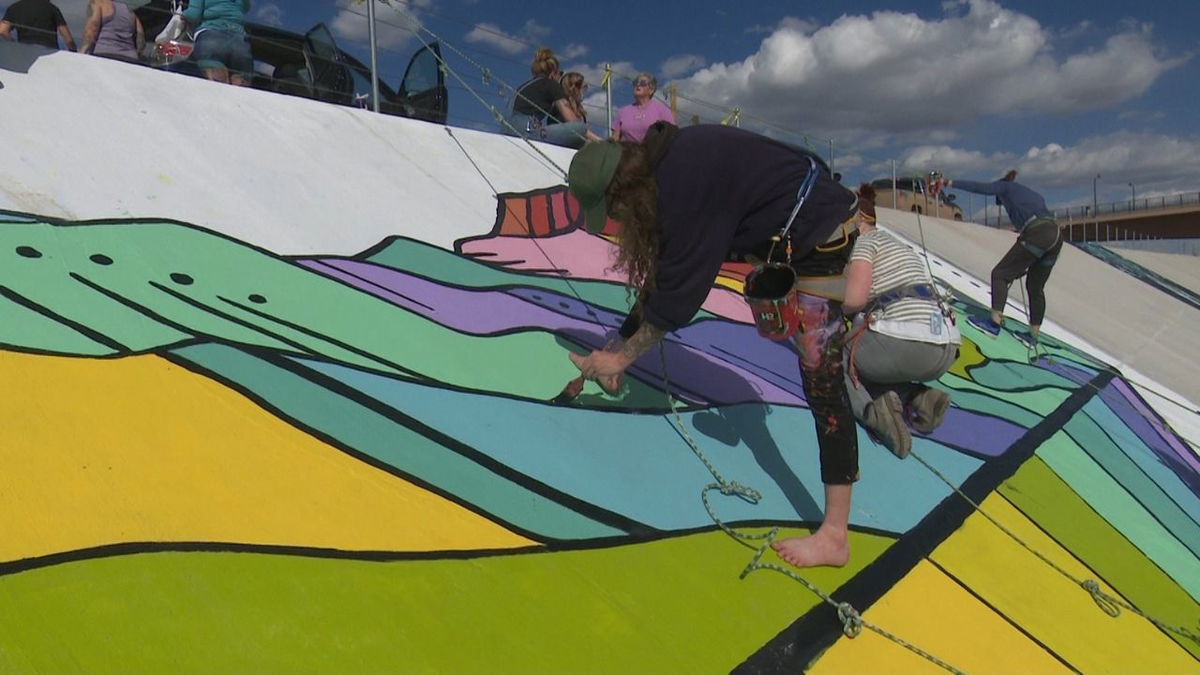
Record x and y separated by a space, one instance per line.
1179 268
83 137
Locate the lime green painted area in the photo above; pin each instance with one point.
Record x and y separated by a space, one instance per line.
1115 505
1038 492
675 605
415 257
241 294
23 327
396 445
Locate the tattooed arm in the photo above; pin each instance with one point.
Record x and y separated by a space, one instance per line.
606 366
91 27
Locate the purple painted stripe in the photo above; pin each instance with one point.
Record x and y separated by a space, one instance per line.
696 376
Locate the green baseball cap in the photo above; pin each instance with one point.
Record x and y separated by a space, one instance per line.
591 171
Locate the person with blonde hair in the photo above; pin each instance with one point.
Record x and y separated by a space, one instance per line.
574 86
541 110
633 120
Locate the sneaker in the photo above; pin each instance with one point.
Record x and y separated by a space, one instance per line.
985 325
1026 339
928 408
884 418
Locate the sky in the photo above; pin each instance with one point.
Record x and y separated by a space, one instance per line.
1061 91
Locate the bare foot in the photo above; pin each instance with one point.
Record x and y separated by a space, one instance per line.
819 548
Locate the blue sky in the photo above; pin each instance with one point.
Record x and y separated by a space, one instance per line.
1061 91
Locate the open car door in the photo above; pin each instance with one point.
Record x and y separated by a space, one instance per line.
423 92
330 77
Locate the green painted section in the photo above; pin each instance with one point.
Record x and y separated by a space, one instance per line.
1108 499
1041 495
415 257
338 322
372 434
1099 445
675 606
22 327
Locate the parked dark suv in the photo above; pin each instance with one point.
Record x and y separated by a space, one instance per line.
312 66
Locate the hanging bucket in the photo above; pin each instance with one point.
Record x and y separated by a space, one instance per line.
769 290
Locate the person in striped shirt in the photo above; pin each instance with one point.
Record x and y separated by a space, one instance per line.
901 337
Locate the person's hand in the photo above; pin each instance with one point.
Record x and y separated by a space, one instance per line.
605 367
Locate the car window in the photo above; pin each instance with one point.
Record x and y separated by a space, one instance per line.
422 73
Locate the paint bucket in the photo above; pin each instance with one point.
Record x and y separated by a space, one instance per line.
770 291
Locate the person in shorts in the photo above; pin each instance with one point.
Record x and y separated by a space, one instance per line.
221 50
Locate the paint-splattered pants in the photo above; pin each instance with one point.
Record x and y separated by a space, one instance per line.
820 341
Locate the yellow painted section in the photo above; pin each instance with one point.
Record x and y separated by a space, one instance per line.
1046 604
931 611
138 449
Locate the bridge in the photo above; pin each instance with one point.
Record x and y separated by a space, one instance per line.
1174 216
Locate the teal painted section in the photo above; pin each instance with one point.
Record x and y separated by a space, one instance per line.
1144 488
376 436
240 294
1109 499
1129 443
1009 376
639 466
969 397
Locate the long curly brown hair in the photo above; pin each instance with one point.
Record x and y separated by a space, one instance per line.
633 202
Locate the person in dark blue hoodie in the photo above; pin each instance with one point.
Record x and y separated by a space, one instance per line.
1039 240
689 199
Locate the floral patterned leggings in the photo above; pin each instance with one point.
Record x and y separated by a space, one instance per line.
820 341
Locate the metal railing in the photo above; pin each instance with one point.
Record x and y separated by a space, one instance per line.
1084 213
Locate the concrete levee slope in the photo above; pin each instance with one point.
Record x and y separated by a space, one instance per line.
1140 326
90 138
1181 269
281 393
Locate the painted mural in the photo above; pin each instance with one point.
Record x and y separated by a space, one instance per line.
217 458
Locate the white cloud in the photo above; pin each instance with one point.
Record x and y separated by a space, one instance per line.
899 72
681 63
573 51
510 43
1156 163
395 24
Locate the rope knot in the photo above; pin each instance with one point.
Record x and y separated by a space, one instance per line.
851 621
1106 602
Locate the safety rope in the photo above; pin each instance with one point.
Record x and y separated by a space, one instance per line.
852 621
1109 604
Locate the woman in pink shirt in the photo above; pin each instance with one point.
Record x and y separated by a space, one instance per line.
633 120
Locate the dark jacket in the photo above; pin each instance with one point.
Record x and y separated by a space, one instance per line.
723 193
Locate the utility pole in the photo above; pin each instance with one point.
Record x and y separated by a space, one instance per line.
1095 204
374 55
